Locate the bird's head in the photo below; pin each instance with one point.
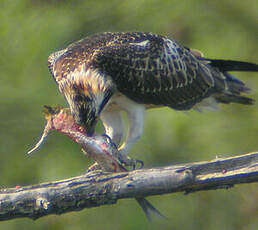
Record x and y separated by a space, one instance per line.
86 92
84 109
85 88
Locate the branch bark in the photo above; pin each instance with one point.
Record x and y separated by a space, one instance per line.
98 188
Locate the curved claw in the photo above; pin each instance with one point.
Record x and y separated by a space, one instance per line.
140 162
93 167
108 137
133 163
109 140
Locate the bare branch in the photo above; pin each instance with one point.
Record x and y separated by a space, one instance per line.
98 188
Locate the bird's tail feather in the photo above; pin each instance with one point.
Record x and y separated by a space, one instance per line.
229 65
233 91
149 209
227 98
233 87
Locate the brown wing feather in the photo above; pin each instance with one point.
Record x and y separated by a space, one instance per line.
152 69
148 68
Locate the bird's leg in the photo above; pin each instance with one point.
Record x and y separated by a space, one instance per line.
112 121
113 125
135 114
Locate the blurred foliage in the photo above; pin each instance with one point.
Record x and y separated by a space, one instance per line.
31 29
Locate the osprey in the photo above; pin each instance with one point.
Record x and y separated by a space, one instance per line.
106 73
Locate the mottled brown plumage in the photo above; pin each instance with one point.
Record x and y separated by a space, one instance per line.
145 68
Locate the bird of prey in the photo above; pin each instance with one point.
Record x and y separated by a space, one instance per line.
106 73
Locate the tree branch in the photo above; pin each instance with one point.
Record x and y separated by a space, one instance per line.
98 188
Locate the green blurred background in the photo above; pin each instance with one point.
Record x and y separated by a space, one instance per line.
31 29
